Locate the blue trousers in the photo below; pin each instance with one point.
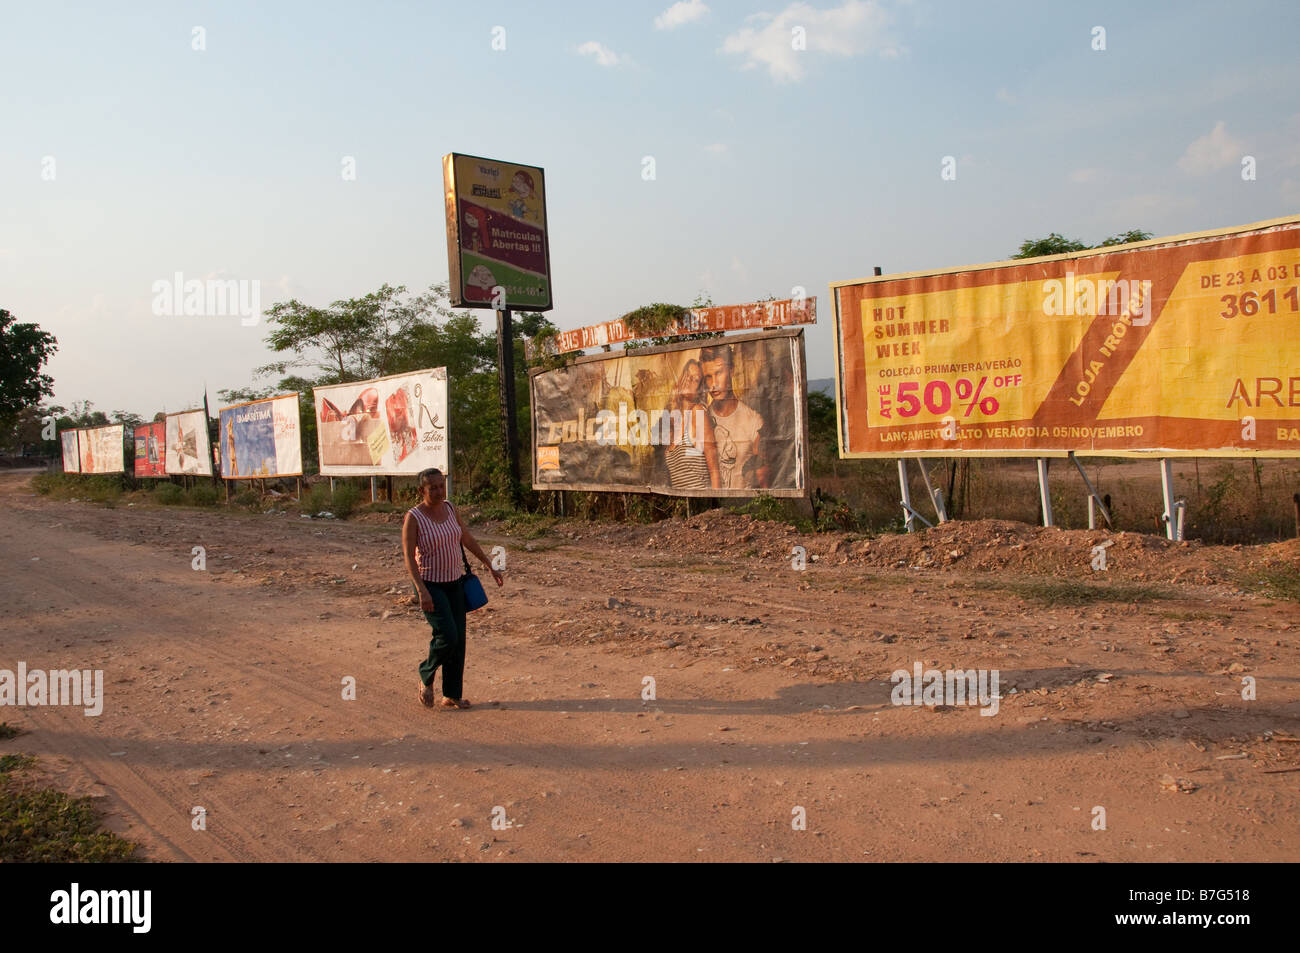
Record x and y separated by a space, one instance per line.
447 646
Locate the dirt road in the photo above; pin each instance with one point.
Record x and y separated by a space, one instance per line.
225 690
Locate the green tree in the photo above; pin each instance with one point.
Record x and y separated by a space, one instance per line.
24 351
1126 238
391 332
1055 244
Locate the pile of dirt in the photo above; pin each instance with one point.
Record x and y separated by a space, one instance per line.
972 546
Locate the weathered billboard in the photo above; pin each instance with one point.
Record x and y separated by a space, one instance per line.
188 450
1184 345
391 425
71 452
150 450
101 449
717 418
730 317
262 438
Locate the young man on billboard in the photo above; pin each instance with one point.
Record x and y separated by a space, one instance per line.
737 426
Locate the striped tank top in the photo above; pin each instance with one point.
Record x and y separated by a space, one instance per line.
437 546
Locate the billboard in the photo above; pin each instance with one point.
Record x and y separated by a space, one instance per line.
1185 345
101 449
732 317
187 448
717 418
496 234
150 450
71 453
390 425
262 438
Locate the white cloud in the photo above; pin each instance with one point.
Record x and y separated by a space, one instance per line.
854 28
1083 176
685 11
716 148
1214 151
604 55
1003 96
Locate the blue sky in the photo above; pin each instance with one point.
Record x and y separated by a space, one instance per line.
774 167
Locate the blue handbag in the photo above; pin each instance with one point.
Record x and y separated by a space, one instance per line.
475 597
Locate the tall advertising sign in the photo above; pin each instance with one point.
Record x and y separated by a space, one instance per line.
262 438
391 425
497 249
1187 345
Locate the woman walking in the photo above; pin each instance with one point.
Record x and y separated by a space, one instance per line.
432 536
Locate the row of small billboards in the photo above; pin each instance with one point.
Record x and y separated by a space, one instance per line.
392 425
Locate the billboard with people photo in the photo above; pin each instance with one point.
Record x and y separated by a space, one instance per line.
718 418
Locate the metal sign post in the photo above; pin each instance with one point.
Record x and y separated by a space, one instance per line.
1044 492
1095 502
1174 509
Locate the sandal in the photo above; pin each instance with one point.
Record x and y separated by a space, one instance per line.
456 703
425 694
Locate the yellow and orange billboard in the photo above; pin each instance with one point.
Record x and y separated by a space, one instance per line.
1184 345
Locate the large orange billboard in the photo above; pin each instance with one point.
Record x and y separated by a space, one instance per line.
1185 345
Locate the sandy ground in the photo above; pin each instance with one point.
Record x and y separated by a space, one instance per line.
224 690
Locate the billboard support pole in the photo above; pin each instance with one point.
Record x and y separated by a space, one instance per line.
1094 501
207 432
909 514
506 382
1044 492
372 489
936 497
1173 515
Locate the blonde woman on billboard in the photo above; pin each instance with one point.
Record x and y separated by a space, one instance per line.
693 455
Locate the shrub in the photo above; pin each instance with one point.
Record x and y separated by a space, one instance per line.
204 494
247 499
169 494
316 499
345 500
